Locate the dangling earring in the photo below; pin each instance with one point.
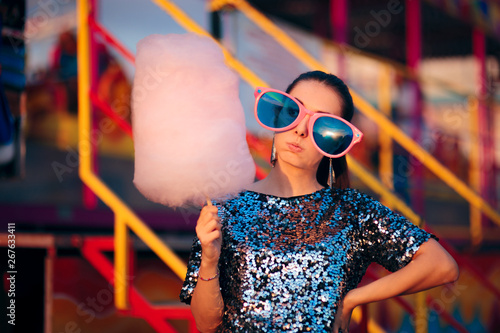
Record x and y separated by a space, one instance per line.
331 175
273 154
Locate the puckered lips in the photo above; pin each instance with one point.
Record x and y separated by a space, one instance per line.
294 147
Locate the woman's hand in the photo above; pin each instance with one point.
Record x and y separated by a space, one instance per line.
343 316
207 304
208 230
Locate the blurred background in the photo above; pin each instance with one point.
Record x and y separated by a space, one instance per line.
93 255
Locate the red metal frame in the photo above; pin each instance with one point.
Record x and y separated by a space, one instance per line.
486 154
108 111
339 25
413 19
92 249
339 16
108 37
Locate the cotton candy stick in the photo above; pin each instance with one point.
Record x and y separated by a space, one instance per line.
188 122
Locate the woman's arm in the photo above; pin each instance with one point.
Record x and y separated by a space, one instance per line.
430 267
207 304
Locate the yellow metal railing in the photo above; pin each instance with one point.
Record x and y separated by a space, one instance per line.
124 217
476 231
368 110
385 142
421 313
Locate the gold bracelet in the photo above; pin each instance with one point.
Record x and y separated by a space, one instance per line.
209 279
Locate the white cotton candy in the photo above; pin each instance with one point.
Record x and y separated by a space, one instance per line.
188 122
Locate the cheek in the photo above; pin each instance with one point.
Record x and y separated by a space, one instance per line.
314 154
281 139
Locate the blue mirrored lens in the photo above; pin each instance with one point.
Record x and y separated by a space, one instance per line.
277 110
332 135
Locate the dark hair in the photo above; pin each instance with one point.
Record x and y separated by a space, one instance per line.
340 88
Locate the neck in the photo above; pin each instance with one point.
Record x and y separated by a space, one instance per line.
287 181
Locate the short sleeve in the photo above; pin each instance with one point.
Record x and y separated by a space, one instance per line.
193 268
390 239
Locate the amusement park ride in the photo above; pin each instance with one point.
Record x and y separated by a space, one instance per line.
115 256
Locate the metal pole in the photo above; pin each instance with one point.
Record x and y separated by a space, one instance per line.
215 24
386 170
485 160
338 24
89 197
49 288
476 230
121 262
413 55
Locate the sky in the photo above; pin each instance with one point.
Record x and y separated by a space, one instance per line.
128 20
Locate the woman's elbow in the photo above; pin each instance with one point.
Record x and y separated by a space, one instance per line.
206 327
444 267
450 272
203 329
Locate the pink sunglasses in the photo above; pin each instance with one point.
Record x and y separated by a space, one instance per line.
278 111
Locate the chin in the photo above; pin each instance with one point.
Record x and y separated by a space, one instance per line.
302 162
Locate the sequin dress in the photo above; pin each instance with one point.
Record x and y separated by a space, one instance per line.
287 262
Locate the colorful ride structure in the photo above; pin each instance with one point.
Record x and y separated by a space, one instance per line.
128 287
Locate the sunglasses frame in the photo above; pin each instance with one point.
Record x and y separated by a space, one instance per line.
357 134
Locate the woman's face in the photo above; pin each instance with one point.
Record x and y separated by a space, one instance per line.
295 146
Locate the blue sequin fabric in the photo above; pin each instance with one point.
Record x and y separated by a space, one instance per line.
286 263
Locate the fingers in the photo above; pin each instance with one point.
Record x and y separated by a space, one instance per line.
210 237
209 232
210 208
207 214
340 324
338 329
208 227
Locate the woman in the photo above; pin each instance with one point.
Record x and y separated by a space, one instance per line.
288 253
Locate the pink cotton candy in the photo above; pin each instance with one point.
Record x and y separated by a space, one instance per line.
188 122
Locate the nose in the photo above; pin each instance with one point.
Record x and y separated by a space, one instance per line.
301 129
